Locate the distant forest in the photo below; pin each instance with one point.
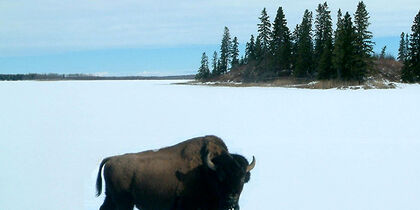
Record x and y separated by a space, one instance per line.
53 76
313 50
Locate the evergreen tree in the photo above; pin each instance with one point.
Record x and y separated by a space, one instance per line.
264 30
364 36
402 51
242 61
203 71
281 45
345 51
325 65
295 39
383 52
323 29
225 50
218 68
250 50
304 60
259 50
214 64
411 69
407 44
319 31
339 27
364 44
339 23
235 52
323 42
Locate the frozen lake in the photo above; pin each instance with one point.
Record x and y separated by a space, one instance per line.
315 149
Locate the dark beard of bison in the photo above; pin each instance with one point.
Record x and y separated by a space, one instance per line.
231 172
231 204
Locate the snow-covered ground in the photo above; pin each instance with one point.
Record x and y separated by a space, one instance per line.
315 149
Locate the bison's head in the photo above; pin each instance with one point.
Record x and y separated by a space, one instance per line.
229 173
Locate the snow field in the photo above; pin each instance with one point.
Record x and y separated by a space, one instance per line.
315 149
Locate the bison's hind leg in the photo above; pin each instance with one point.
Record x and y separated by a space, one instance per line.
125 206
117 203
124 201
108 204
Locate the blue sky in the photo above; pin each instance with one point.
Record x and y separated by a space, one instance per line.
153 37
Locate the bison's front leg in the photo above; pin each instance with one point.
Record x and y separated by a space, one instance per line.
177 204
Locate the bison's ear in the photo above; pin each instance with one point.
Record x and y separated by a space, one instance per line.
209 163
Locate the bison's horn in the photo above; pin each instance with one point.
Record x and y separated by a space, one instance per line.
251 166
210 164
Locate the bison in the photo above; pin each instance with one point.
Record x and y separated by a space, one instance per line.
198 173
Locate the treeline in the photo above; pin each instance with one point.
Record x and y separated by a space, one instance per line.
54 76
312 50
32 76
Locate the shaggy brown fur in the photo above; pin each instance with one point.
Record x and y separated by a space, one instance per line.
175 177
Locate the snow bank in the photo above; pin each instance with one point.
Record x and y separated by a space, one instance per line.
315 149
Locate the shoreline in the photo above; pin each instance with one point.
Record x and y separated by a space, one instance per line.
85 77
288 83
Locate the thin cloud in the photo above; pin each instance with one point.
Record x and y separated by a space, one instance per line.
48 25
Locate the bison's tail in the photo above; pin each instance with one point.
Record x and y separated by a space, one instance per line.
99 178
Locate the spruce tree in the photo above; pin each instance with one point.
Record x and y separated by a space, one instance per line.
383 52
345 51
364 36
259 50
323 29
411 69
203 71
339 23
281 46
214 64
250 50
264 31
323 42
295 39
364 44
339 27
402 51
242 61
304 60
218 68
235 52
319 31
225 52
325 66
